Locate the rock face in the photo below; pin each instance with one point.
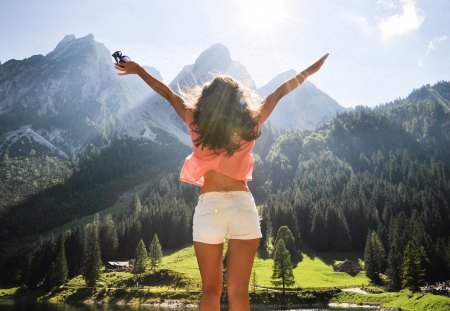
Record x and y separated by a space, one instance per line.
71 98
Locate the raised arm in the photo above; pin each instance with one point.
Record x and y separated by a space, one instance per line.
272 100
159 87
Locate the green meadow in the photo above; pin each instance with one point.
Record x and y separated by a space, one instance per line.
404 299
314 271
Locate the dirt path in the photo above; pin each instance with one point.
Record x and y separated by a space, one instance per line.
355 290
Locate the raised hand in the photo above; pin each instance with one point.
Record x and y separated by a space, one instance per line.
129 67
314 67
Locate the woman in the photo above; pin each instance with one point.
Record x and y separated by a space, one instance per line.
223 122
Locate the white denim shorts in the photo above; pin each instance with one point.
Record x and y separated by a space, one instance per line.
231 214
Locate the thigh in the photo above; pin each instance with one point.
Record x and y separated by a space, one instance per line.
240 254
209 258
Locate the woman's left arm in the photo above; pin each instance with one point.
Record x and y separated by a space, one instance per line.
272 100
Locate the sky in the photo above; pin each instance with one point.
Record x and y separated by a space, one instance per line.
380 50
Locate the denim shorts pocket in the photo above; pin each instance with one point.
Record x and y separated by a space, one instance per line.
204 214
247 210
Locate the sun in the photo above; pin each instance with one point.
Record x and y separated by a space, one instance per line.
261 16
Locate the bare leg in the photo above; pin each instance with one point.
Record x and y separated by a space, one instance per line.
209 258
241 254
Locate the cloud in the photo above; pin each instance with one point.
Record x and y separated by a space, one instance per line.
386 5
361 21
432 43
409 19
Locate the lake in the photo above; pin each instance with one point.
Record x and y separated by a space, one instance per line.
8 305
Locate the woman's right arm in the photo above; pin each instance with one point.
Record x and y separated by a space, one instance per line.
159 87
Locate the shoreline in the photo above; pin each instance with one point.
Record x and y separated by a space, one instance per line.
178 303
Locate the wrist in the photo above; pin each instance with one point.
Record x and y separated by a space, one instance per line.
140 70
301 77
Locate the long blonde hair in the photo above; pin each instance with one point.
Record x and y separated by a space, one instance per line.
224 111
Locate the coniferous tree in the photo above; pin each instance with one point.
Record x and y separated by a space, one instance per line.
282 266
266 233
374 257
155 252
289 241
109 241
254 281
318 232
139 258
59 271
393 271
413 273
136 205
92 257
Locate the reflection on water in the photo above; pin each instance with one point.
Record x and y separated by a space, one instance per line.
8 305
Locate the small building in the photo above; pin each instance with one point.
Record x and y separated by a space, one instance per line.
119 265
348 266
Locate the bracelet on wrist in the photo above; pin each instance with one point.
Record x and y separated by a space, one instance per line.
302 76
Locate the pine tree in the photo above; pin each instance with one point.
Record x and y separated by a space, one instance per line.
266 232
59 268
254 281
282 266
393 271
136 205
109 241
413 273
374 257
289 241
139 258
155 252
92 258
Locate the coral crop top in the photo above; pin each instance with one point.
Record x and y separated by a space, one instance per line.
238 166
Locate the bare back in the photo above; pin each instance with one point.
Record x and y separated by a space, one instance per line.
215 181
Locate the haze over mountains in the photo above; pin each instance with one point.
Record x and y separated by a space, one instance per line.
60 103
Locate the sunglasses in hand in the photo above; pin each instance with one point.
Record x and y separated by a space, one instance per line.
120 58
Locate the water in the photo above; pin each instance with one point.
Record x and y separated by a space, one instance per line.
8 305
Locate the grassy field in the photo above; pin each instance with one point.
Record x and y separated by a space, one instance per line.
404 300
312 272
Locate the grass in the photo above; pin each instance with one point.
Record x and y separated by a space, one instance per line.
311 272
315 272
404 300
8 291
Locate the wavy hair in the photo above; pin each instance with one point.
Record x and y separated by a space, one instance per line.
224 113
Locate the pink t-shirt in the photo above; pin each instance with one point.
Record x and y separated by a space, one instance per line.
238 166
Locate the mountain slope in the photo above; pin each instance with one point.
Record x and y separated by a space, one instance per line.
305 107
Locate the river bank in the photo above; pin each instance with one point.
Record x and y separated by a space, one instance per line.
308 298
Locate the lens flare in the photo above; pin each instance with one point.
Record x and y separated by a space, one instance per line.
261 16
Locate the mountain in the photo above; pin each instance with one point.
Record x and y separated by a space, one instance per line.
65 100
156 113
62 103
305 107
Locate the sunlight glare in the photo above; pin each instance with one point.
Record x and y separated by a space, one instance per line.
260 16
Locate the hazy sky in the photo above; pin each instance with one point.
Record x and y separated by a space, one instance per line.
379 49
